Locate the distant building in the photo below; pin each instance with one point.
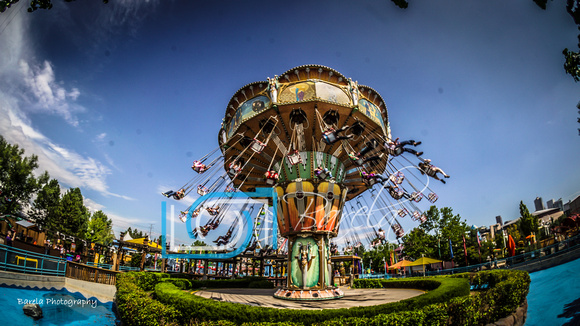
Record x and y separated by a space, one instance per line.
498 220
572 207
558 204
539 204
550 203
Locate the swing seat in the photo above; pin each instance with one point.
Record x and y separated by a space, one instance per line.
432 197
395 151
329 137
257 146
416 196
416 215
423 219
397 177
270 181
322 174
294 158
399 234
202 191
183 218
403 212
232 173
230 189
371 182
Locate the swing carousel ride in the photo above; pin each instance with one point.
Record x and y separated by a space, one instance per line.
324 144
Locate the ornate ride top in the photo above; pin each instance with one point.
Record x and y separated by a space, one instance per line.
284 121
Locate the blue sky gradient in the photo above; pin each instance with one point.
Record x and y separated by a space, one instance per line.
119 99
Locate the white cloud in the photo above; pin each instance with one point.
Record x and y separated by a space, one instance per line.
65 165
25 87
50 96
92 205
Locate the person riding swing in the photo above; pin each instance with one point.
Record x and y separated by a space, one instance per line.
199 167
271 177
429 169
397 193
331 135
397 148
177 195
322 173
372 178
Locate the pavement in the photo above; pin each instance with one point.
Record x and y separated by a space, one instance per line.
352 298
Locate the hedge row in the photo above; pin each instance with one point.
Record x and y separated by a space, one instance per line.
507 291
206 309
134 304
447 302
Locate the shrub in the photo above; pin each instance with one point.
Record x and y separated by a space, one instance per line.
181 283
446 302
136 307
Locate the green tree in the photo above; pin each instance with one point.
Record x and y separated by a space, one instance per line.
403 4
136 234
100 229
419 243
572 63
578 107
433 235
514 231
74 216
528 223
46 207
17 181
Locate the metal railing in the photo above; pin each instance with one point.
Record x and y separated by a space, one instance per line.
100 265
23 261
129 268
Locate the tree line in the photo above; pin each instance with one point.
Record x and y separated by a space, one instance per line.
23 194
447 237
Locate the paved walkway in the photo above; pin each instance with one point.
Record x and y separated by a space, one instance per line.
352 298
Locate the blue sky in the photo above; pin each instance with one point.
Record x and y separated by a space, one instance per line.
119 99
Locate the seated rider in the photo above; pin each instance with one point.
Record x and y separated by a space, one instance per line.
396 193
396 148
224 238
372 176
213 211
177 195
331 136
427 168
271 175
201 229
320 170
381 234
196 212
357 157
199 167
183 216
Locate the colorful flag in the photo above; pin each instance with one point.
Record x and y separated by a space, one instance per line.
450 249
465 250
511 246
478 247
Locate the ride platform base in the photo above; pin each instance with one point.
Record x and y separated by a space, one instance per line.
309 295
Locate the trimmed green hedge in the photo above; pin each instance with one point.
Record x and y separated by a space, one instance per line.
134 304
446 302
206 309
507 290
